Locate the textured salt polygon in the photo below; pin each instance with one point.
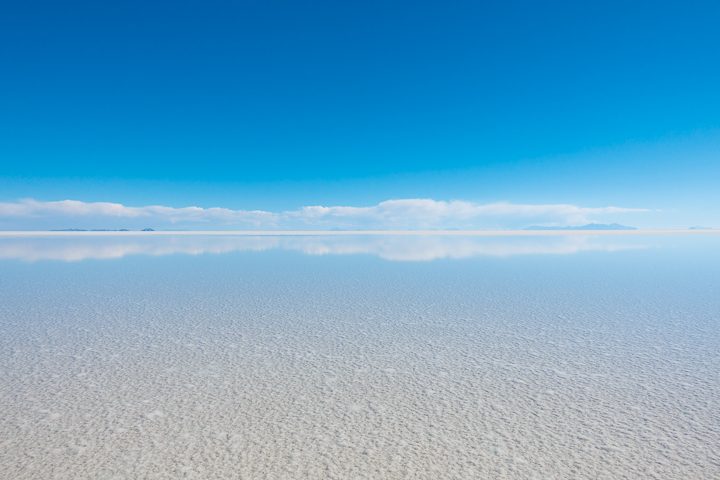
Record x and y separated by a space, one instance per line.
278 365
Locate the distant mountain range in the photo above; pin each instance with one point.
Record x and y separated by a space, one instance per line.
100 230
589 226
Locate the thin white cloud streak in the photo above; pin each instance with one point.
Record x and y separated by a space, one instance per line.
400 213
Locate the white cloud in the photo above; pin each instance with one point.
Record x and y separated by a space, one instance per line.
422 213
400 213
68 210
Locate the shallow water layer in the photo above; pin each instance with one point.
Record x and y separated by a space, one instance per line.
382 357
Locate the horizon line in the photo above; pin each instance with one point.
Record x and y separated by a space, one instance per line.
439 232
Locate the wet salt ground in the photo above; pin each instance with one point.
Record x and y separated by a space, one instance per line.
280 365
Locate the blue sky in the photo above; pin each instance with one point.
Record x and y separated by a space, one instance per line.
278 105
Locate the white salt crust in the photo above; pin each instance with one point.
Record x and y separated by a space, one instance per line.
262 366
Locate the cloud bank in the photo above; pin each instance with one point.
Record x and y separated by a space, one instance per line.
397 214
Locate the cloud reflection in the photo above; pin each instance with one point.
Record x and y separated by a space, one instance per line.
393 248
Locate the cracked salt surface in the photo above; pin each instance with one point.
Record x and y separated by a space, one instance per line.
278 365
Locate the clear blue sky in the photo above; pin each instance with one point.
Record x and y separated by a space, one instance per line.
275 105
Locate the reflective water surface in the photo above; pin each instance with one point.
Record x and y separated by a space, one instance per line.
574 356
78 247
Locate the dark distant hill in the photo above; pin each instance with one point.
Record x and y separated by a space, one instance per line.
589 226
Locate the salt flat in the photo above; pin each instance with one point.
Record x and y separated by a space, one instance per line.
546 356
